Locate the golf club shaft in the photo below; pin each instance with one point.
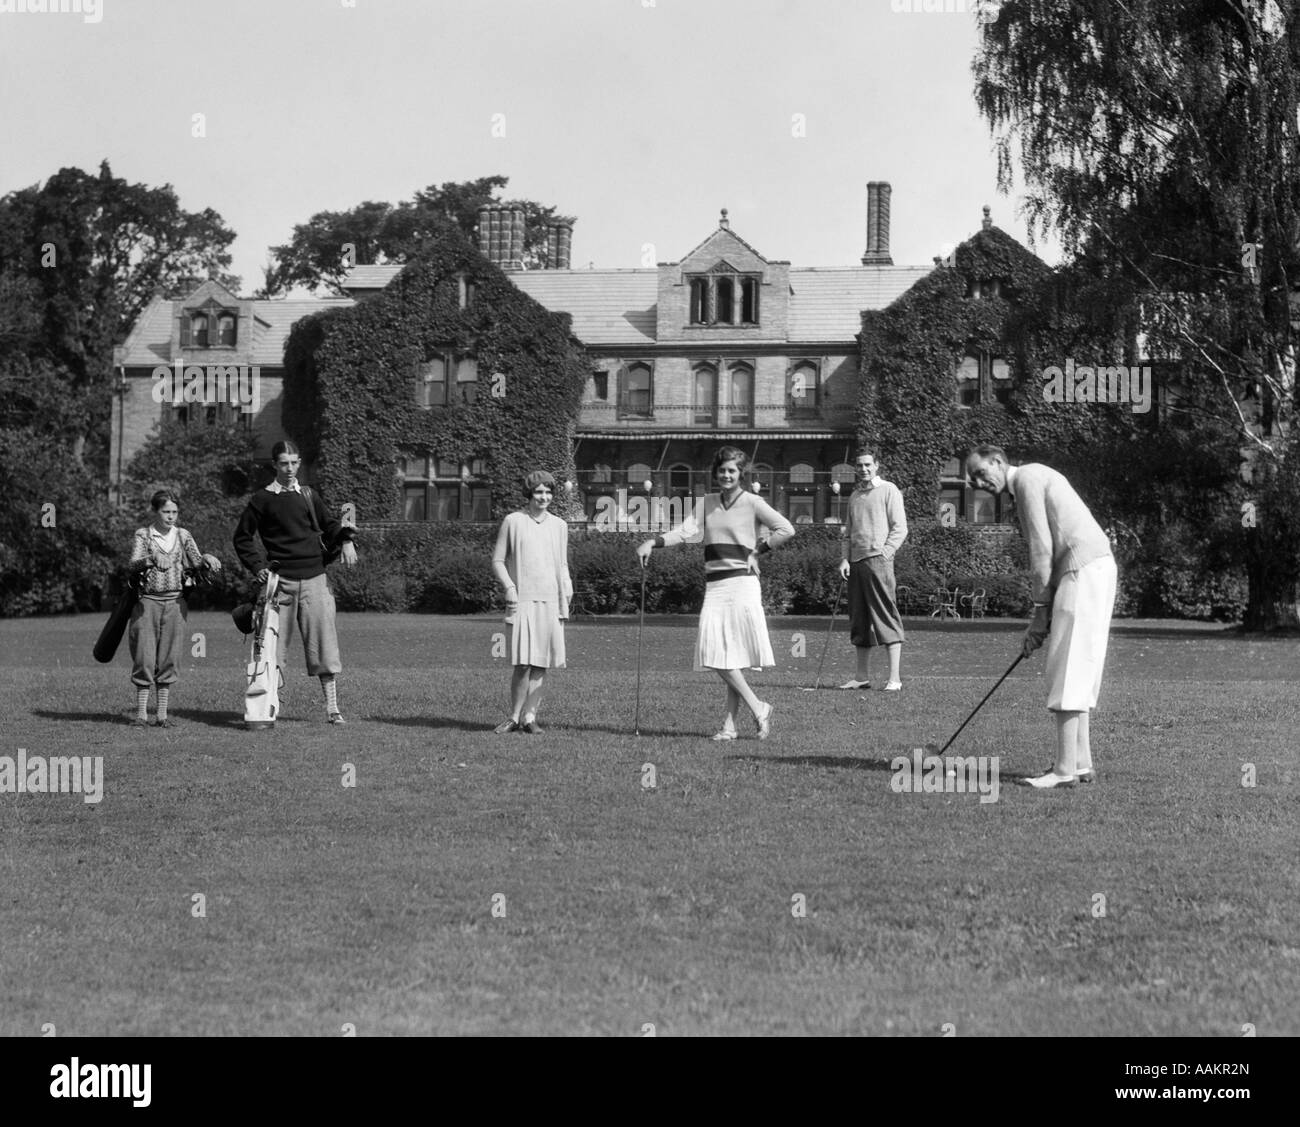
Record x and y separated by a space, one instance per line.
829 631
640 627
1019 659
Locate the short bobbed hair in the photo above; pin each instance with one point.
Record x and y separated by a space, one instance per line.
284 446
730 454
159 499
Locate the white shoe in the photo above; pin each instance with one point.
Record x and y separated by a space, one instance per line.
1049 780
893 686
853 685
724 734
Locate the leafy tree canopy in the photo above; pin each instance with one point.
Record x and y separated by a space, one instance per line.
382 232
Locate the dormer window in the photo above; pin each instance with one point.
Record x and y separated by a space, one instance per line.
724 297
211 325
984 287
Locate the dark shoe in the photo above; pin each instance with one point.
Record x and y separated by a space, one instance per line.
506 727
531 728
336 718
138 723
1088 776
765 722
168 723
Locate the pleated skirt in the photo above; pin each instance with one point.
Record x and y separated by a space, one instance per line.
537 637
733 631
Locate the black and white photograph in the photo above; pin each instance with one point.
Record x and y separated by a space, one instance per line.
636 518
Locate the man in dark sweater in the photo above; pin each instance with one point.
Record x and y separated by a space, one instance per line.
290 524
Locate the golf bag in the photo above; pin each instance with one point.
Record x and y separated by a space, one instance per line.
262 693
111 636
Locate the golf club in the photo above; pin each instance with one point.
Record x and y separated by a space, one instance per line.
829 630
640 626
1019 658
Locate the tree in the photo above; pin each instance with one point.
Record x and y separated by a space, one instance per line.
330 243
1159 138
80 257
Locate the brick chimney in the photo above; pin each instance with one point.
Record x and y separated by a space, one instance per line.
877 252
501 235
559 243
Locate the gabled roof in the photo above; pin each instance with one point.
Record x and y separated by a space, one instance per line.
722 235
619 307
149 342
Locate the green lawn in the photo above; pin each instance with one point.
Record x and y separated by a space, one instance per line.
624 905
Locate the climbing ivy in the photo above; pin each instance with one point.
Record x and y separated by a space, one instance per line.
351 382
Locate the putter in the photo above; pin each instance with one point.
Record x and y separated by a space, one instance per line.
640 626
829 630
1019 659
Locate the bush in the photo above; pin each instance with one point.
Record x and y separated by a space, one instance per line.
1008 596
462 583
372 584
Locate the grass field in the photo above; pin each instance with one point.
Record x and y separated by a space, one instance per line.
673 905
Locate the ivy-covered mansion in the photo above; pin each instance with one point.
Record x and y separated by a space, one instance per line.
424 394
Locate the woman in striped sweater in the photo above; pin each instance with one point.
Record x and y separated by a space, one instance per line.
733 632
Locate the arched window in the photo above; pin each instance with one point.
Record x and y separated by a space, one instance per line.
801 390
601 473
226 330
636 399
1001 373
679 480
749 301
801 473
199 330
761 473
706 395
741 394
638 473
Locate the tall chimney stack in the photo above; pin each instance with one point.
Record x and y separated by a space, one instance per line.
514 238
877 252
565 244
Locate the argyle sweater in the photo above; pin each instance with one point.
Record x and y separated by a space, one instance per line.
730 534
279 518
166 573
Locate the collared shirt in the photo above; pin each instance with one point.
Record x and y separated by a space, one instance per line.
276 487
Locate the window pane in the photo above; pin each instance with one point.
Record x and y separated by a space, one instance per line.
433 373
706 382
726 297
636 390
801 510
638 474
448 502
414 503
480 504
227 328
953 497
984 507
749 301
679 480
1001 370
199 331
801 474
601 380
447 468
742 395
699 301
601 472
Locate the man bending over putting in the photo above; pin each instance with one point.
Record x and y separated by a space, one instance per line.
1073 580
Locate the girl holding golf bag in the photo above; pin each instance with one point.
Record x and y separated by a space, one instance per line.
163 555
733 632
531 562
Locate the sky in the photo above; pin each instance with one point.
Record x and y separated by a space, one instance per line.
642 118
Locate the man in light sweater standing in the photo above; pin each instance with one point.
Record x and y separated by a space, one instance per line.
876 529
1073 577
